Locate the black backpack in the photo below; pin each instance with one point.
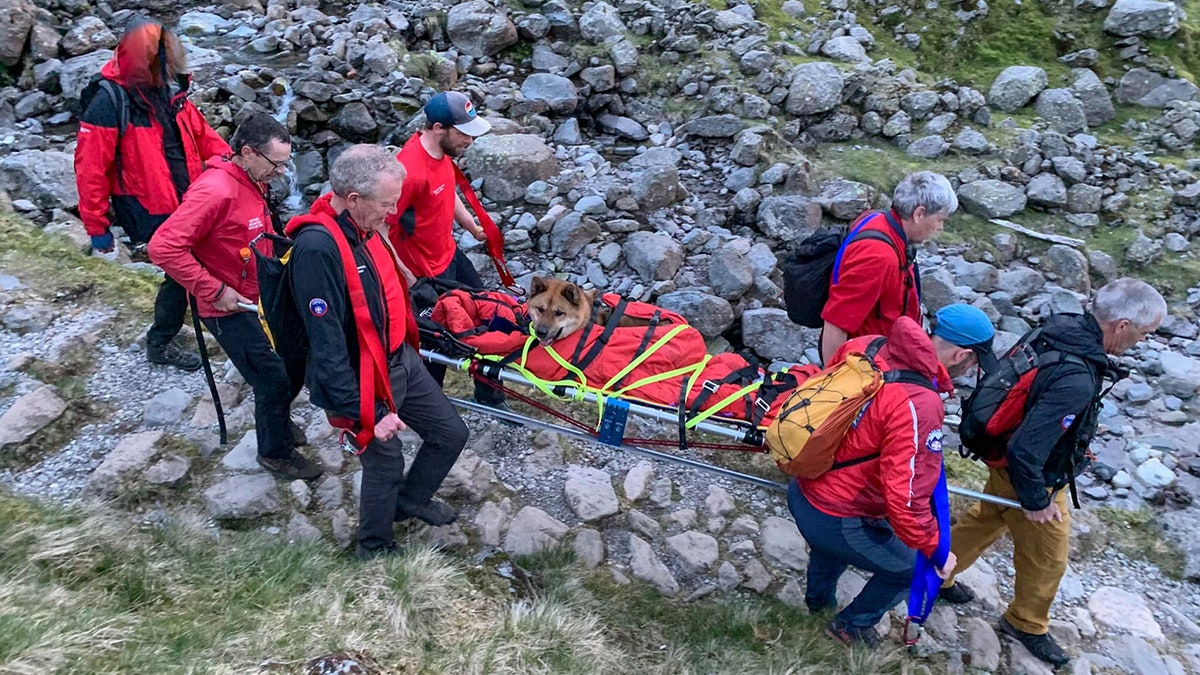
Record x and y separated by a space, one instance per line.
120 101
809 268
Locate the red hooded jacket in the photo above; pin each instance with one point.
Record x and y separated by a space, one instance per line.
875 286
136 176
903 424
204 245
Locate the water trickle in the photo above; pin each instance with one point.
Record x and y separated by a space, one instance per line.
294 202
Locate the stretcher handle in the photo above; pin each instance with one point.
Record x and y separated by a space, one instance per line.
247 307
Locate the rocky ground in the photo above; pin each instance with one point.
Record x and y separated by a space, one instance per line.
671 151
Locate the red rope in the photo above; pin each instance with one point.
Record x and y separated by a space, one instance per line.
589 429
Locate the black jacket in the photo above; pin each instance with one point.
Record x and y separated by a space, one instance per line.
1049 447
319 288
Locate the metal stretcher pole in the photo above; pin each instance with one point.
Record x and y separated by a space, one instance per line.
642 410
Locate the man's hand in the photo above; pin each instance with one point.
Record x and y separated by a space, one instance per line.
103 243
948 568
477 232
1045 515
387 428
228 301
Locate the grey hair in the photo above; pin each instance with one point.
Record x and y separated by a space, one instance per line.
1131 299
359 168
924 188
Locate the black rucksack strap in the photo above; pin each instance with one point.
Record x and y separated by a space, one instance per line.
909 377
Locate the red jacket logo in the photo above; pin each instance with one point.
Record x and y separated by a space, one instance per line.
255 224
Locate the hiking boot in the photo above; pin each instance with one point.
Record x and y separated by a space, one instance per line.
363 554
434 512
852 636
956 594
1042 646
171 355
294 466
298 435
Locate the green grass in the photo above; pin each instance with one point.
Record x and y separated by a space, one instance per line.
81 593
1138 535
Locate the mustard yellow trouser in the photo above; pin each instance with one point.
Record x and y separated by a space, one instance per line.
1039 551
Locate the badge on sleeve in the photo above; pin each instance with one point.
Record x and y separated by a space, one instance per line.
1068 421
934 442
318 307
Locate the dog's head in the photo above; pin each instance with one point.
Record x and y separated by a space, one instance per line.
557 308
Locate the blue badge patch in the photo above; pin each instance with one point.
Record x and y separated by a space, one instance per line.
318 307
1068 421
934 442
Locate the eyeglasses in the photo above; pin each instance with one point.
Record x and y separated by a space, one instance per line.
276 166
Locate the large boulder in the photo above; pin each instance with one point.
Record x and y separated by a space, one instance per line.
509 163
1048 190
1061 110
73 74
816 88
30 414
46 177
532 531
1142 17
773 336
707 313
355 122
991 198
557 91
1148 88
655 187
129 458
1069 267
87 35
1093 96
479 29
600 22
788 218
242 497
1016 86
653 255
15 23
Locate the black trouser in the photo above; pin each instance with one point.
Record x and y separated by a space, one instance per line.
462 271
170 308
242 337
422 406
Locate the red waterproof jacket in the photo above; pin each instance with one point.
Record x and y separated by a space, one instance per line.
204 245
135 176
903 425
874 286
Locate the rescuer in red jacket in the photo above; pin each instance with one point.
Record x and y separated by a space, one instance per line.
205 245
138 155
874 511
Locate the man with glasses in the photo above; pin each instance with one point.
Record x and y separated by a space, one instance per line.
141 144
205 245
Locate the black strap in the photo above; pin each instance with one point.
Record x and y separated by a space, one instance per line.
874 347
646 337
772 387
682 408
614 318
208 373
853 462
909 377
743 375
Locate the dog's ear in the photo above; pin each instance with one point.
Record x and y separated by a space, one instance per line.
537 286
589 297
573 294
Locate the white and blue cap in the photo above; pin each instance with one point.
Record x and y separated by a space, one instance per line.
451 108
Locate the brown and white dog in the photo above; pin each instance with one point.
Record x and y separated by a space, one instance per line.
558 308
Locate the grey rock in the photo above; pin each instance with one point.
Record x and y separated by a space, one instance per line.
300 528
940 124
1016 86
971 142
793 8
380 58
540 192
719 503
242 497
1142 17
88 34
728 578
782 544
15 23
47 177
1093 96
355 122
196 23
166 407
479 29
730 273
602 78
1048 190
490 521
170 471
1061 110
531 531
1120 609
747 148
938 288
624 55
920 103
697 552
508 163
1070 267
1070 169
30 414
1020 282
244 455
1136 655
557 91
991 198
770 333
899 124
571 233
1148 88
844 199
983 646
929 147
816 88
1021 662
707 313
1143 251
637 481
589 548
656 187
653 256
74 73
646 566
471 476
1082 198
714 126
132 455
788 218
589 493
600 22
845 48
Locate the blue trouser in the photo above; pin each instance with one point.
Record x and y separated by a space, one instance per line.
867 543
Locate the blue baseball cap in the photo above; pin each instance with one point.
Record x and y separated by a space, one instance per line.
968 327
450 108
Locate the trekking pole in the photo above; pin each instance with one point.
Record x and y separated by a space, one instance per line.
983 497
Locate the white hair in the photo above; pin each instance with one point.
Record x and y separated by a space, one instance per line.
924 188
1131 299
360 168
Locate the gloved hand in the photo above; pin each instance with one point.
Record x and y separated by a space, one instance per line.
103 243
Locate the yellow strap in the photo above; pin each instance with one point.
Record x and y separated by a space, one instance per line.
685 370
713 410
645 355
